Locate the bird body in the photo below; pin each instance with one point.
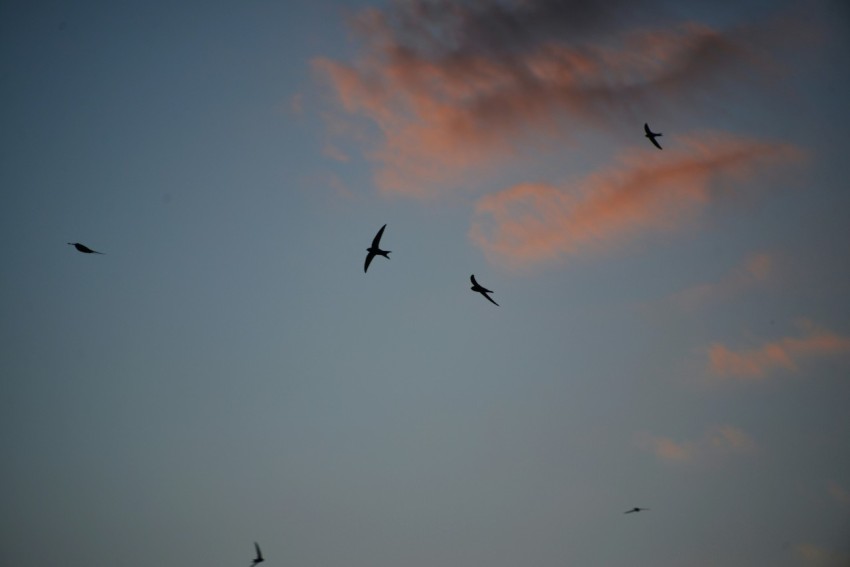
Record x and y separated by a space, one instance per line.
375 250
482 290
83 248
635 510
652 135
259 558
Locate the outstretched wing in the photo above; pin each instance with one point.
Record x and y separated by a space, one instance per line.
377 240
369 257
479 286
83 248
651 135
490 299
259 553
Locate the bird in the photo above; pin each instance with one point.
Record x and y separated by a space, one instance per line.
259 558
635 510
83 248
651 135
482 290
375 250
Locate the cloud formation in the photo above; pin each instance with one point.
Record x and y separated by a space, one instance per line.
754 270
718 441
817 556
782 354
460 86
535 222
838 493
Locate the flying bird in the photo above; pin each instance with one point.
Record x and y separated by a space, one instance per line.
482 290
375 250
259 558
652 135
83 248
635 510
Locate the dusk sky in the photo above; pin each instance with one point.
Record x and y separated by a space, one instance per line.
673 328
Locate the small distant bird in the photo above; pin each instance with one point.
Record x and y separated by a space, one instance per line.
482 290
651 135
259 558
635 510
83 248
375 250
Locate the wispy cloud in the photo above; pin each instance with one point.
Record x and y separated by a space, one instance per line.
838 493
532 223
718 441
756 269
455 87
781 354
816 556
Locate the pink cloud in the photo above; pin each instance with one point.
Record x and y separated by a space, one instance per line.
532 223
457 89
668 450
718 441
838 493
782 354
817 556
754 270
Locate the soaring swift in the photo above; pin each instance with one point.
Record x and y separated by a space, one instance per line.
651 135
83 248
375 250
482 290
259 558
635 510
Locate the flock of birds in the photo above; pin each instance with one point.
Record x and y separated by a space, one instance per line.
375 250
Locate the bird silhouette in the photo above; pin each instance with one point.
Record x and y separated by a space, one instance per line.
482 290
83 248
635 510
259 558
651 135
375 250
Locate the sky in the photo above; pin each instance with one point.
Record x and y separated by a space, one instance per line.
673 330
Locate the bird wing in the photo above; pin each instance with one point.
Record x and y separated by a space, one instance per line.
369 257
259 553
655 143
646 129
377 240
479 286
490 299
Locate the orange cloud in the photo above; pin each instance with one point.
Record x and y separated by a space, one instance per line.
817 556
532 223
721 440
839 493
456 87
783 354
754 270
669 450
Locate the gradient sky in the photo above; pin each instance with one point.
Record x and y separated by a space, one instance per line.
674 328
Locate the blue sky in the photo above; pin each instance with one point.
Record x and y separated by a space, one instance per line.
673 330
